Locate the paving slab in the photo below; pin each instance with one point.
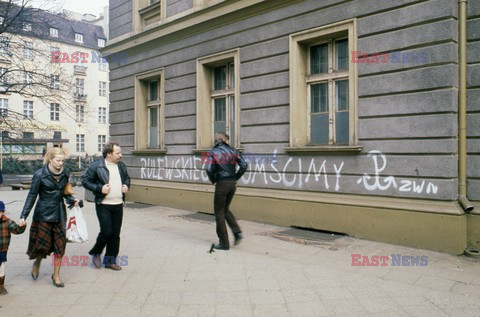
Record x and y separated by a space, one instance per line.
168 271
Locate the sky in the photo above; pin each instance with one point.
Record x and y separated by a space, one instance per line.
81 6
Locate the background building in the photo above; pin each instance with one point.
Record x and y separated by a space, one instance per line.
358 117
55 83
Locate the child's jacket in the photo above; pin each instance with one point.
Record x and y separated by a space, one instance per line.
7 227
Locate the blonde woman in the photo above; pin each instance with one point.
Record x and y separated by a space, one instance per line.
47 232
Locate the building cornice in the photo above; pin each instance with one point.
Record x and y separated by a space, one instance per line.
203 19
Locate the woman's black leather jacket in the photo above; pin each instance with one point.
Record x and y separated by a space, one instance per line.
50 206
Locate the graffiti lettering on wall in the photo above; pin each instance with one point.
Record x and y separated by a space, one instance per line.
389 181
327 174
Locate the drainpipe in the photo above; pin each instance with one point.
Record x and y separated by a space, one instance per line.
462 107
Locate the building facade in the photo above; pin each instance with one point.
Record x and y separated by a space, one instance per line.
54 89
359 117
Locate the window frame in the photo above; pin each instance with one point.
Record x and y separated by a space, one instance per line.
28 109
101 42
102 88
102 115
3 107
301 80
53 32
206 96
101 141
55 82
54 111
27 26
142 113
79 38
28 50
79 113
80 143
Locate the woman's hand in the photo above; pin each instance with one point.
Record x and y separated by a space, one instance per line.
76 202
22 222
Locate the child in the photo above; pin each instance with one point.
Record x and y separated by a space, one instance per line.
7 227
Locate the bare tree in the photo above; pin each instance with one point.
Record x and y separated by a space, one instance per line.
27 67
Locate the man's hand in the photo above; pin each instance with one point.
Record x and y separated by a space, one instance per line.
106 189
124 188
22 223
76 202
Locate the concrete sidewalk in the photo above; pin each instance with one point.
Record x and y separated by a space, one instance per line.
171 273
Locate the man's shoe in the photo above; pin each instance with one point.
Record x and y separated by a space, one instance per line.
238 238
114 267
221 247
97 261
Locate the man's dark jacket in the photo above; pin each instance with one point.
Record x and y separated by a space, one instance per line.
222 161
50 206
97 175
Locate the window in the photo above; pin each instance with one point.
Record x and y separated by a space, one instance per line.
2 19
78 38
55 82
218 94
80 89
3 79
28 50
3 107
54 112
27 77
102 139
102 88
80 113
149 90
102 115
55 53
322 93
28 109
80 143
27 26
28 136
150 12
103 66
53 32
57 135
101 42
4 49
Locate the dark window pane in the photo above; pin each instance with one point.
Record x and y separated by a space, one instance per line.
341 92
319 129
153 90
232 120
341 54
220 78
342 127
319 98
319 59
153 117
232 76
220 109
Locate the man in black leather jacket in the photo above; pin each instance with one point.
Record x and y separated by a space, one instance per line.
108 179
221 165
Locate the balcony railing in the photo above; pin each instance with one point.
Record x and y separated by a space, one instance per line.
80 97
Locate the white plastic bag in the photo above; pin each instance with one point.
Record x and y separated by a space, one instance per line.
76 226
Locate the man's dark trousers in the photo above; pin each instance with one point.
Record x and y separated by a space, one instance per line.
110 219
224 191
